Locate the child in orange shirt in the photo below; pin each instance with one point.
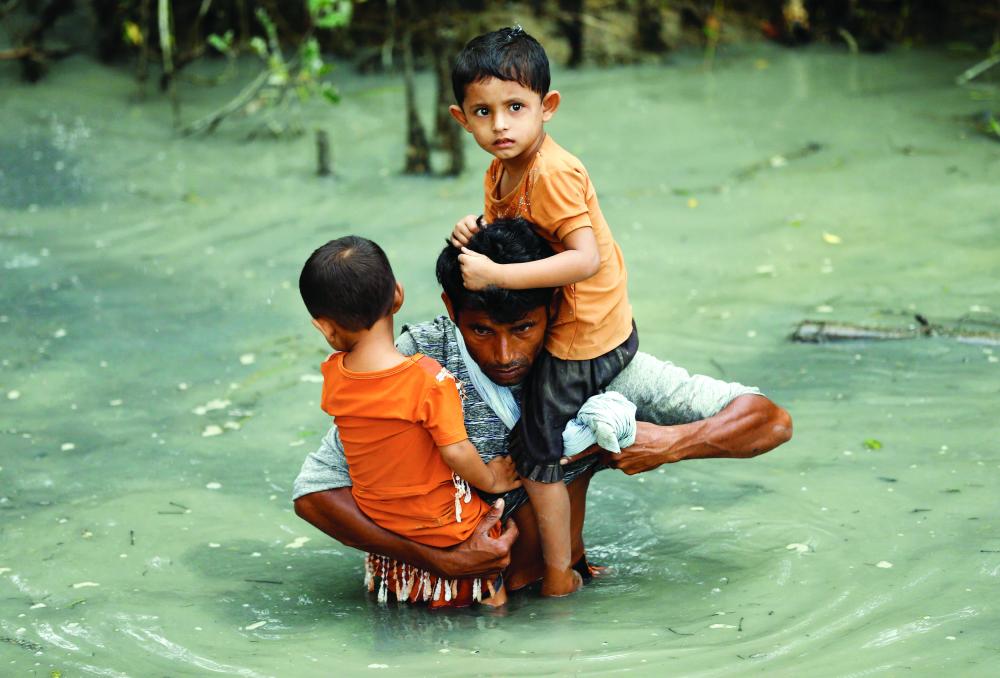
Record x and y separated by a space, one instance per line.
501 83
400 419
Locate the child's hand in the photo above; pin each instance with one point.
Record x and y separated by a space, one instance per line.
504 475
467 227
478 270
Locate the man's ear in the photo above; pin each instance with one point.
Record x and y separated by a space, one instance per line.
397 297
550 103
447 305
459 115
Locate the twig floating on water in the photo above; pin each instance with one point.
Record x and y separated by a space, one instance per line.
131 537
739 628
180 506
264 581
823 331
678 632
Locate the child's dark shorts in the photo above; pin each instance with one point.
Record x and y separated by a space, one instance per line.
552 395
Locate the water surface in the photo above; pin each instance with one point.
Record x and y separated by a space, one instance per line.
158 378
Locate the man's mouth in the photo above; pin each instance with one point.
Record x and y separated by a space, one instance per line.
507 373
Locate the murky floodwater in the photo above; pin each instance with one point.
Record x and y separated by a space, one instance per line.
158 384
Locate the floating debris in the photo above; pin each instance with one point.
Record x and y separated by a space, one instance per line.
66 447
873 444
232 425
4 570
799 548
211 405
831 239
692 203
85 584
697 508
183 386
248 359
213 486
116 402
884 564
378 666
312 378
722 626
13 395
211 430
766 269
297 543
214 545
59 334
254 626
37 606
824 308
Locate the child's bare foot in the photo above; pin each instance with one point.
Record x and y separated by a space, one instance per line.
497 599
588 570
561 583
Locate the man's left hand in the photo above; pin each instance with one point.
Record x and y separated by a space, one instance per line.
645 454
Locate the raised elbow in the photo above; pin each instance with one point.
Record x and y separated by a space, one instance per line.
781 426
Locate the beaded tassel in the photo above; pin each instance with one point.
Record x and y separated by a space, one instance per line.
477 589
426 583
463 493
437 590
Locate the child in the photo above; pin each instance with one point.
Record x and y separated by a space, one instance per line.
501 83
400 419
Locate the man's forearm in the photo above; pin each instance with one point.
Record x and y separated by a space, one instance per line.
748 426
337 514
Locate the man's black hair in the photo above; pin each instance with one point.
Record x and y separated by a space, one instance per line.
505 241
507 54
349 281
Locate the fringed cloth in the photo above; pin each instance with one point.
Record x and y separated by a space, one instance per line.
413 585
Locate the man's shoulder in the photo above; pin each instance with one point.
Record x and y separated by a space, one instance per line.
432 338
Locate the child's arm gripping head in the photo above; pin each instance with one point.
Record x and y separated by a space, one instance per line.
579 261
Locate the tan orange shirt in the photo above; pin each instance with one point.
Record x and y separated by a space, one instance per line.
555 193
391 423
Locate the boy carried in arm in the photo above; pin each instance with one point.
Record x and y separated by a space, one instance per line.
501 83
400 421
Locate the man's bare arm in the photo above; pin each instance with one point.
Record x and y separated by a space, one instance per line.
748 426
337 514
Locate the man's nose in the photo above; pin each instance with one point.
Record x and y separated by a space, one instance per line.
504 351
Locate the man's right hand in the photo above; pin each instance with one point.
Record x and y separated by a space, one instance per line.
467 227
482 554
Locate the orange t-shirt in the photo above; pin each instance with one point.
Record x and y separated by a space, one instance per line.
391 423
555 194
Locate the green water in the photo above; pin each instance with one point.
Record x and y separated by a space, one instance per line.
147 278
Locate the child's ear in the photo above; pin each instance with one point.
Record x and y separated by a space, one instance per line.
459 115
326 327
397 297
550 103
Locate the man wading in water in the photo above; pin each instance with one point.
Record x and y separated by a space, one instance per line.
488 341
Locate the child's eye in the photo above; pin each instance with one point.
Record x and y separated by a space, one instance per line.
516 107
482 112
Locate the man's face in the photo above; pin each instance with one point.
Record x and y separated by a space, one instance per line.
504 351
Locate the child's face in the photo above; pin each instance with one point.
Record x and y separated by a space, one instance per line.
505 117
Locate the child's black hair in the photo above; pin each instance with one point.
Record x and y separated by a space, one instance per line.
507 54
349 281
505 241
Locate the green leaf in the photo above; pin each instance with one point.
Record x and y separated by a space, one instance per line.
223 43
330 93
873 444
259 46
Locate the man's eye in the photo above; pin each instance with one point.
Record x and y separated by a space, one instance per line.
522 328
480 331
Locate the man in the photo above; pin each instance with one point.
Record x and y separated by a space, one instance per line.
488 341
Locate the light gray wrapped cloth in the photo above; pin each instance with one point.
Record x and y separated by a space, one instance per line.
607 419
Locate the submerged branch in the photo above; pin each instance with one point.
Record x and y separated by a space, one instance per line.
823 331
208 123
